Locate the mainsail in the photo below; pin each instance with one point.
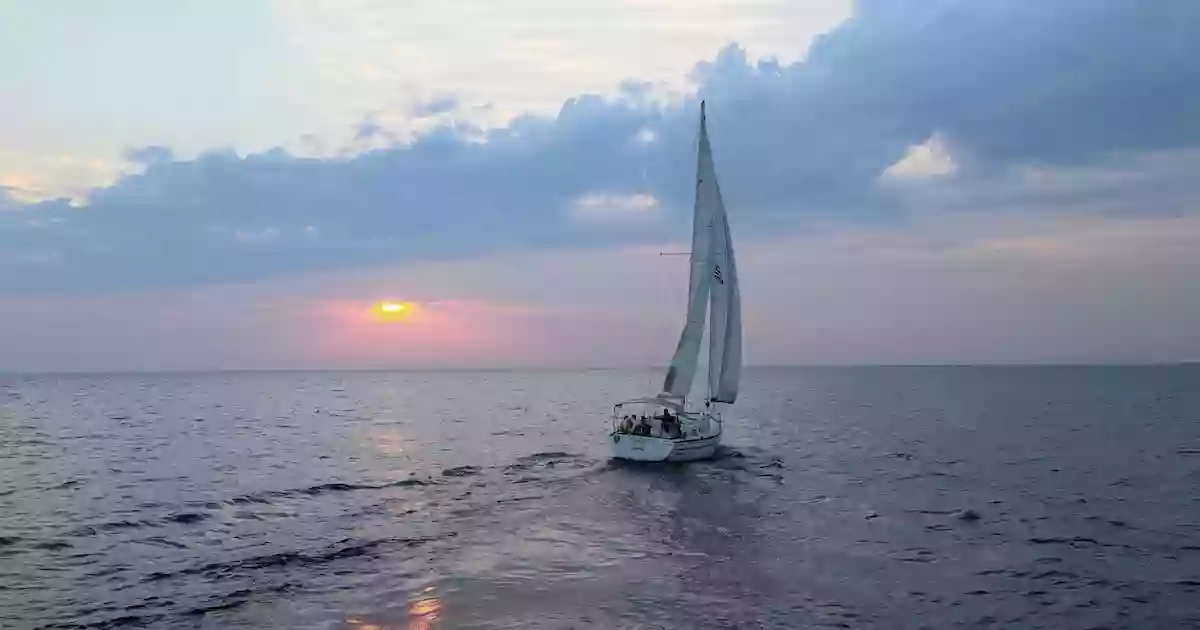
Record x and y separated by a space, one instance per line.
712 285
725 327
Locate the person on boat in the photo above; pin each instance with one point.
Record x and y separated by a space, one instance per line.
626 424
668 423
643 427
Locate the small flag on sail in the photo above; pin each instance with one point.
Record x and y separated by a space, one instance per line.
717 274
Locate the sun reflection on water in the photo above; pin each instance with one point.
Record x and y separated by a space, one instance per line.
422 613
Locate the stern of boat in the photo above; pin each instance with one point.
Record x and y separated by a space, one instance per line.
641 448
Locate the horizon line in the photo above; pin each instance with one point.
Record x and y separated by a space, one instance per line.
759 366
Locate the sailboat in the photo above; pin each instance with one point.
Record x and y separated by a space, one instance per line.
663 427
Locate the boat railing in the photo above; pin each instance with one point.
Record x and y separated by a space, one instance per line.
683 419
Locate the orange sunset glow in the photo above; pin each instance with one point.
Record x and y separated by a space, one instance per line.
431 332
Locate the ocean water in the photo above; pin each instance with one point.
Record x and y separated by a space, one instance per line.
487 500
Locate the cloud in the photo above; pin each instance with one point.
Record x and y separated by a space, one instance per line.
440 105
1145 183
604 208
929 159
941 288
149 156
1000 86
30 179
367 130
528 56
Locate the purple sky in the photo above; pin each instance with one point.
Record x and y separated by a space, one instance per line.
932 182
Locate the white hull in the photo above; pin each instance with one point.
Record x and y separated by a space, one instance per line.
645 448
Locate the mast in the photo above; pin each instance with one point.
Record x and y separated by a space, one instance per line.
703 146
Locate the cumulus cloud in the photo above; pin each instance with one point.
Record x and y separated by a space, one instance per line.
1044 87
929 159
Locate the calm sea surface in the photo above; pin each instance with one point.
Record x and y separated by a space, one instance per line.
487 500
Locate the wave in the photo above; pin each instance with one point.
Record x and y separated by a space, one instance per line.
1075 541
110 526
188 517
266 497
548 459
346 548
164 528
461 471
236 598
124 621
52 545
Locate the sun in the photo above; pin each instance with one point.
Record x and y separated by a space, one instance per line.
392 311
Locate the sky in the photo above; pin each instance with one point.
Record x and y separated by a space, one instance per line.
234 184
